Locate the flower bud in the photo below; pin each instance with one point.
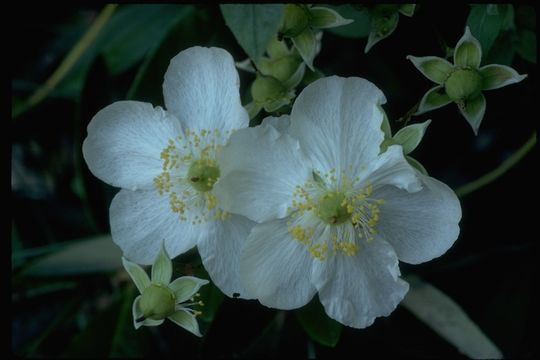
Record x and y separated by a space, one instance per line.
267 88
282 68
157 302
463 84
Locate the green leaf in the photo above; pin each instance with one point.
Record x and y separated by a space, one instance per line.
407 9
434 68
496 76
485 25
318 325
359 28
526 46
253 25
93 255
504 49
410 136
448 319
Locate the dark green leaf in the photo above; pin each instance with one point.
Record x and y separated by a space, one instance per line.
526 46
359 28
485 26
318 325
503 51
253 25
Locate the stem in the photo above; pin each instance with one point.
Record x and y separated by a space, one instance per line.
407 116
498 171
67 64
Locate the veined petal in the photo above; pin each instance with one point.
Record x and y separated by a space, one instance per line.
391 168
422 225
468 51
186 320
260 166
496 76
354 290
306 44
137 274
162 267
137 314
220 253
124 143
338 122
276 268
434 68
323 17
281 123
185 287
473 110
201 88
141 220
433 99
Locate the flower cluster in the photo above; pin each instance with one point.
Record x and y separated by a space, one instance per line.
321 201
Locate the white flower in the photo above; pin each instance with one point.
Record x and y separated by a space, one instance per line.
165 163
335 214
162 299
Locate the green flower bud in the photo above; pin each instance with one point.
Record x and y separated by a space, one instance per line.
267 89
295 20
463 84
282 68
157 302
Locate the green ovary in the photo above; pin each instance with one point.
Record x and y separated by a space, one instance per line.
463 84
157 302
332 208
203 174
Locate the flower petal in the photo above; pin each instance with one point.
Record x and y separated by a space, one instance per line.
275 268
468 51
260 166
220 253
141 220
162 267
338 122
391 168
124 143
496 76
281 123
185 287
422 225
473 111
434 68
137 314
323 17
186 320
201 88
137 274
306 44
354 290
433 99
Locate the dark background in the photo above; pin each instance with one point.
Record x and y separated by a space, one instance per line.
489 272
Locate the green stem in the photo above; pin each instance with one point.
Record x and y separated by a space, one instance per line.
67 64
499 171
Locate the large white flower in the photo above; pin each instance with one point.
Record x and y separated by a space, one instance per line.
335 214
165 163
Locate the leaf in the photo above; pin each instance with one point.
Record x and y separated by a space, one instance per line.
504 49
318 325
359 28
484 26
448 319
93 255
253 25
526 46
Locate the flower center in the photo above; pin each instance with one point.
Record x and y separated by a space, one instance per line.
157 302
463 84
332 208
203 174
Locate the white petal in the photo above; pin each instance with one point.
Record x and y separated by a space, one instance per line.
338 122
220 253
141 220
187 321
124 143
260 169
422 225
275 268
137 274
185 287
281 123
391 168
354 290
201 88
